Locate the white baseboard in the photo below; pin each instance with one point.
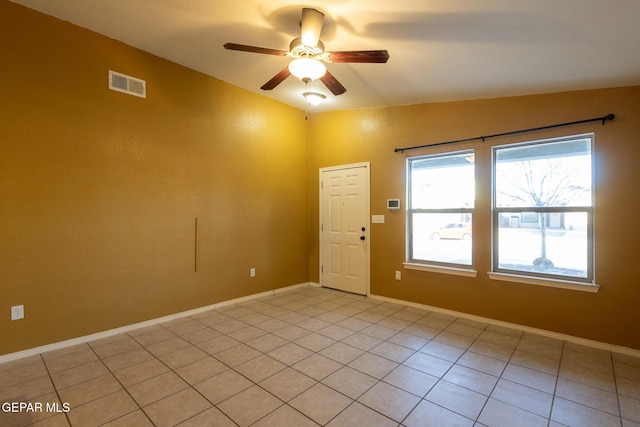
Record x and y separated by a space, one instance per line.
104 334
570 338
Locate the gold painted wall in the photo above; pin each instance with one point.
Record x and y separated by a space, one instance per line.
611 316
99 190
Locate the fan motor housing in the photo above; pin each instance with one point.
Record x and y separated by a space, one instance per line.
299 50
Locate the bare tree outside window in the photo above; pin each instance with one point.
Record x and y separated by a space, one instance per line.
541 183
549 182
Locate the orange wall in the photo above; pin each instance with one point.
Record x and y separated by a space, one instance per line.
99 190
611 316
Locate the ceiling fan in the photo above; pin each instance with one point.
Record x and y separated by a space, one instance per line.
308 53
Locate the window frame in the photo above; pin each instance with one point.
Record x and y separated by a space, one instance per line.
432 265
531 276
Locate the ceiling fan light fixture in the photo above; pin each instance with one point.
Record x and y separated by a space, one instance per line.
307 69
313 98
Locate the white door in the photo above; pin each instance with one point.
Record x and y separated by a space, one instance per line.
344 228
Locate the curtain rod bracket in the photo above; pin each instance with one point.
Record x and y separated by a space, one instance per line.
608 117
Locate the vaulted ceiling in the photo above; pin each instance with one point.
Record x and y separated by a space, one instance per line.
439 50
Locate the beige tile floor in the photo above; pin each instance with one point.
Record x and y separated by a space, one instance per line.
313 356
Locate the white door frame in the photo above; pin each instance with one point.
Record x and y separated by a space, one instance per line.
367 166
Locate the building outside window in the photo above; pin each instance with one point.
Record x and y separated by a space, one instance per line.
543 209
441 191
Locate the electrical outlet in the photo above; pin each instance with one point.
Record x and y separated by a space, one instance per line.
398 275
17 312
252 272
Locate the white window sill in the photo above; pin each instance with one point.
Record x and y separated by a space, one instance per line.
439 269
553 283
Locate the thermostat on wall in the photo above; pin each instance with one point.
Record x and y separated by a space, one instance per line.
393 204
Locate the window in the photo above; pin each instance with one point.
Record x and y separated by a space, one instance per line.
543 209
440 209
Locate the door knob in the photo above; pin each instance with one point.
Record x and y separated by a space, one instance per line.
362 237
363 229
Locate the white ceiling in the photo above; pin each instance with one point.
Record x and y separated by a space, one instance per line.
439 50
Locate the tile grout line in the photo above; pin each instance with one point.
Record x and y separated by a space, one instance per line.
615 385
112 373
555 387
55 388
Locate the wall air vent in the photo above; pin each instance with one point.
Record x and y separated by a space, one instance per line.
127 84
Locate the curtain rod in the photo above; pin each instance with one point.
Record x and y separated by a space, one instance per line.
603 119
